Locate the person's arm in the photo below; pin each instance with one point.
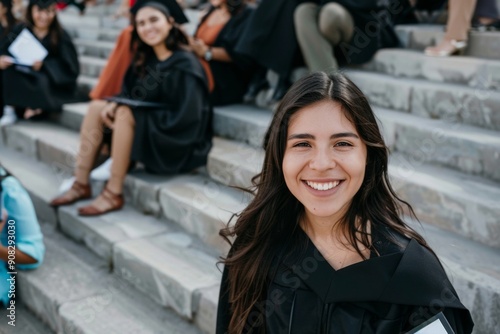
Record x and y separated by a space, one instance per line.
218 53
21 258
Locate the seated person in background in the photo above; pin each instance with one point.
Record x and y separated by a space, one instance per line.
486 15
48 83
7 22
214 42
17 216
344 32
163 118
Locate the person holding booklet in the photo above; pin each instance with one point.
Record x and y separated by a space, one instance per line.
40 85
162 117
7 22
323 247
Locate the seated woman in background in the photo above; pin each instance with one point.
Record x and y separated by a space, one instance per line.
323 246
345 32
214 41
7 22
50 82
162 117
17 217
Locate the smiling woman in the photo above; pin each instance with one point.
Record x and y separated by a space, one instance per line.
322 248
161 117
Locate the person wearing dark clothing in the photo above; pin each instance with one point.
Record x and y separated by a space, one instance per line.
173 137
322 247
162 117
49 82
7 22
270 40
345 32
216 37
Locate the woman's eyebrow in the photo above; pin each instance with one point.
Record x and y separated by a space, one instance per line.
334 136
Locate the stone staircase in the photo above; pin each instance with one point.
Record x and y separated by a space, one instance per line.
151 268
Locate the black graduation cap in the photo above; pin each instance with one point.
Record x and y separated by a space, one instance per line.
42 4
172 6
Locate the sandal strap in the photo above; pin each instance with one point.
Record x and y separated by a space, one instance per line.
111 197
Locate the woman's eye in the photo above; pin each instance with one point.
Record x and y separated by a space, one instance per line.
301 144
343 144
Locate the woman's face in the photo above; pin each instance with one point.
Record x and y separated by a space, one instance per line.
3 10
325 159
43 18
152 26
217 3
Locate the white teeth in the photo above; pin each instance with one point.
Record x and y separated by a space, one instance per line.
323 186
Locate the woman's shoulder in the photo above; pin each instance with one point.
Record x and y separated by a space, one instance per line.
182 61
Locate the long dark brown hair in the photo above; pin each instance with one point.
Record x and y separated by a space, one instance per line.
55 29
9 17
175 40
274 213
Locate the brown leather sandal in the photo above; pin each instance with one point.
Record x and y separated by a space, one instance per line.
115 200
77 192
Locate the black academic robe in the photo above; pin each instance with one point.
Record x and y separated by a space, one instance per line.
176 135
374 22
269 37
230 78
390 293
48 88
3 42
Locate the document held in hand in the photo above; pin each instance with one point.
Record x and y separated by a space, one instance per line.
435 325
27 49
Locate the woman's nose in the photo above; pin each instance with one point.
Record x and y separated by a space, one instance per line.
322 160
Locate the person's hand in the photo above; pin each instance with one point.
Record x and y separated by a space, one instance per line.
37 65
199 47
108 114
5 61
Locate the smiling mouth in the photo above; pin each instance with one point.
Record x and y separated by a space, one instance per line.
323 186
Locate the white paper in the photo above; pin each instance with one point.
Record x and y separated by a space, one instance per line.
435 327
27 49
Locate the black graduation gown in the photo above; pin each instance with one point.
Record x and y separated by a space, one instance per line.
230 78
390 293
3 42
374 22
269 37
177 136
48 88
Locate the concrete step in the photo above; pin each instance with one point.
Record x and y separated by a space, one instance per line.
25 321
91 66
93 33
194 202
93 48
481 44
85 84
472 267
470 71
101 9
126 241
458 202
450 102
71 19
73 292
463 147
